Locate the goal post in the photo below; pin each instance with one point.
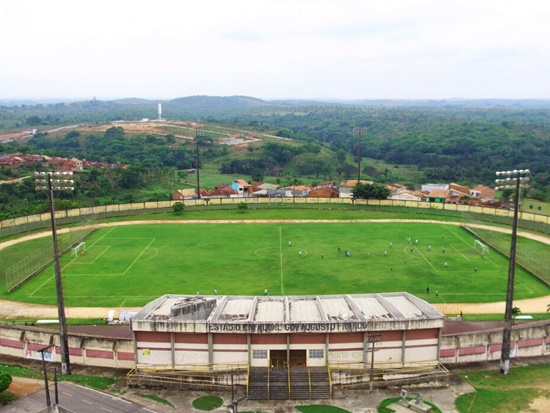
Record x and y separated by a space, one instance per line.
79 249
481 247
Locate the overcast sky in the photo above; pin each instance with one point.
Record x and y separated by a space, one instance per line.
270 49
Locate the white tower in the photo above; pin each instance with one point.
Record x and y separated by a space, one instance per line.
160 111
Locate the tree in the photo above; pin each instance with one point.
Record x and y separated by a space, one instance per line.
257 175
5 381
367 191
178 208
243 207
34 120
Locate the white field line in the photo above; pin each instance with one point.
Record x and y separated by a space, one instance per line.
91 262
103 236
428 261
465 257
138 257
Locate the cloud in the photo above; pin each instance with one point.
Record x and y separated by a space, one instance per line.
275 48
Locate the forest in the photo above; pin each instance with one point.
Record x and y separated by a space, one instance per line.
409 144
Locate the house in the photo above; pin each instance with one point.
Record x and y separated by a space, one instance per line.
300 191
437 196
406 195
458 194
324 192
263 189
346 188
223 191
427 188
329 184
72 165
396 188
456 189
181 194
483 192
242 187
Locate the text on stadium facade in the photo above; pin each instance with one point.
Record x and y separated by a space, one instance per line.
287 327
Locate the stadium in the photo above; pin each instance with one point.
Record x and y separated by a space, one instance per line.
283 296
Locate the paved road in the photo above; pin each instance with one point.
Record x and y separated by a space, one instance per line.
76 399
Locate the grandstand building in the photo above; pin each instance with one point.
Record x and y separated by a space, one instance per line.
280 331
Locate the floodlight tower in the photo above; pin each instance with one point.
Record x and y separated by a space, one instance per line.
515 179
56 181
197 160
359 132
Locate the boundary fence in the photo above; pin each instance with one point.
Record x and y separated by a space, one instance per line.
528 220
539 266
31 265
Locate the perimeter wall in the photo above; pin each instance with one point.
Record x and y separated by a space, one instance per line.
87 350
528 340
25 223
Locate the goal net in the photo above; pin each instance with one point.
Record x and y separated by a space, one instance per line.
481 247
79 249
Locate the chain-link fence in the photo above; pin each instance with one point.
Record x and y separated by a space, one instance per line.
40 258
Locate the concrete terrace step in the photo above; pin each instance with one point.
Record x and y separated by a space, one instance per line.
305 384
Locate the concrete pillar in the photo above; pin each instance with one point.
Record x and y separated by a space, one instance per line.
404 347
366 348
210 350
173 349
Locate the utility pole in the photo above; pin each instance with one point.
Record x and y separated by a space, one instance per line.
197 160
56 181
46 385
372 339
359 132
514 179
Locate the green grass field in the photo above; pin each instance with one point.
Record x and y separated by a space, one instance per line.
132 265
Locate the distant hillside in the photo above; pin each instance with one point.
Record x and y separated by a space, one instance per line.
211 105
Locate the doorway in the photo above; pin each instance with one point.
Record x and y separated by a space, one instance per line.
298 358
278 358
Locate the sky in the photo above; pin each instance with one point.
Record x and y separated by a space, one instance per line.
275 49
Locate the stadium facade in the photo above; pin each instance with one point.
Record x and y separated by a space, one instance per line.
271 331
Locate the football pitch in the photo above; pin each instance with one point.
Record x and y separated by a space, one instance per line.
131 265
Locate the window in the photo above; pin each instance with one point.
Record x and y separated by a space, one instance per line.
259 354
316 354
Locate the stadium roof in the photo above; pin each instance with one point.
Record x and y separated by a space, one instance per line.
398 306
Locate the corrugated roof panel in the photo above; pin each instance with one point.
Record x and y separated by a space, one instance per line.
270 311
237 309
372 308
164 309
405 306
304 310
338 309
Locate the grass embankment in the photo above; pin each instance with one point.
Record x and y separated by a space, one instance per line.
499 393
97 382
